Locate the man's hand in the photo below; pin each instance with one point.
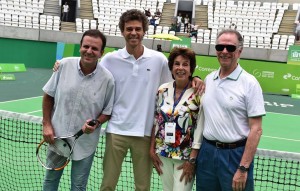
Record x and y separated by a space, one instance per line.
86 128
188 171
239 180
156 161
56 66
48 133
198 85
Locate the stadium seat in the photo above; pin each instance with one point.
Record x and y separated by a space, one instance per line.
56 23
14 20
158 29
85 24
7 19
1 18
93 24
35 22
296 6
49 22
113 29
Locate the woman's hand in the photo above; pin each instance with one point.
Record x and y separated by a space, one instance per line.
188 171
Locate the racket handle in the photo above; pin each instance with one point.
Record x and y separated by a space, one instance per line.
92 122
79 133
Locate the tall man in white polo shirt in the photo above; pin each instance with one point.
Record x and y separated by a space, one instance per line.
138 72
233 108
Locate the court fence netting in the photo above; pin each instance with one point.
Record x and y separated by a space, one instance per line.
20 134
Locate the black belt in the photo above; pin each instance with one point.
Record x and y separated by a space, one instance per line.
221 145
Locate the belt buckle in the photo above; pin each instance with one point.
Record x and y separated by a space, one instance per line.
219 145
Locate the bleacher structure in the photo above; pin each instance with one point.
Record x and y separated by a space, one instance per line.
258 21
21 13
107 14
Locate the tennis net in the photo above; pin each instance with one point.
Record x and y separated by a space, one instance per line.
20 134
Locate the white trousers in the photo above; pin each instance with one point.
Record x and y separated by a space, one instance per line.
171 176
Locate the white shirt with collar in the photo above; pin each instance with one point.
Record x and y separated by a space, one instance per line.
78 97
137 81
228 103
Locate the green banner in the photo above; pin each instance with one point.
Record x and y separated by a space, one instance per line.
12 67
294 55
273 78
184 42
6 77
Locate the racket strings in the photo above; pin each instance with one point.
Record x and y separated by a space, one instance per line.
54 156
55 159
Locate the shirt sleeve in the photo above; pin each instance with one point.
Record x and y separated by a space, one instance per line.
198 134
109 98
166 74
51 86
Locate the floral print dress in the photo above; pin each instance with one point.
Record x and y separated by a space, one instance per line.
184 116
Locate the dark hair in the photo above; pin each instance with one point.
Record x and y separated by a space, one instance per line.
184 52
97 34
238 35
132 15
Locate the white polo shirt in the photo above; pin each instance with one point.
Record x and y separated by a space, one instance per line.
228 103
137 82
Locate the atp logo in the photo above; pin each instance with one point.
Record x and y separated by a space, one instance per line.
256 73
287 76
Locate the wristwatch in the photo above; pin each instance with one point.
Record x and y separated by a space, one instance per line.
243 168
192 160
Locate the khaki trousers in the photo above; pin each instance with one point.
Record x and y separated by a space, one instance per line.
115 151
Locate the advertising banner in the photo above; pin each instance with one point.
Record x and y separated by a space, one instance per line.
184 42
12 67
294 55
274 78
7 77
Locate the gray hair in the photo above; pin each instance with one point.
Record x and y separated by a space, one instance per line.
232 31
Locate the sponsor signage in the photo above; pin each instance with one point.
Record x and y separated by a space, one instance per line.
294 55
273 78
12 67
184 42
7 77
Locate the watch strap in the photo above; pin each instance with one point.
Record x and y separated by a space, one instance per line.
192 160
243 168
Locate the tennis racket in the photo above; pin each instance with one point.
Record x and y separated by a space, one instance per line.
56 156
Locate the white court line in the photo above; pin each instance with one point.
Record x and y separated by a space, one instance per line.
281 114
33 111
20 99
296 140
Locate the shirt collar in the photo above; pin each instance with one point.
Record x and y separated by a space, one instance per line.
233 76
125 54
82 74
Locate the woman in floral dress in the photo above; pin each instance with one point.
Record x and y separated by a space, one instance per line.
176 136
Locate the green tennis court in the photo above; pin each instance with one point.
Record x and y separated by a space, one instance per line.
280 132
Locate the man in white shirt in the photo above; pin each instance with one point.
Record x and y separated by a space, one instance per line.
79 91
138 72
65 12
233 108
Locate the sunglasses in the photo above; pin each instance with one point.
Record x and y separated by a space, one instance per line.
229 48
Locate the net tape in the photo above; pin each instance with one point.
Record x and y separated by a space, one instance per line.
20 134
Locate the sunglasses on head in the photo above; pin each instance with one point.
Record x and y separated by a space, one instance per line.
229 48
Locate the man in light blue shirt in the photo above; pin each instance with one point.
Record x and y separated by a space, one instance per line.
79 91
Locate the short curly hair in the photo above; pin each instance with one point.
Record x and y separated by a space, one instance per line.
133 15
184 52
